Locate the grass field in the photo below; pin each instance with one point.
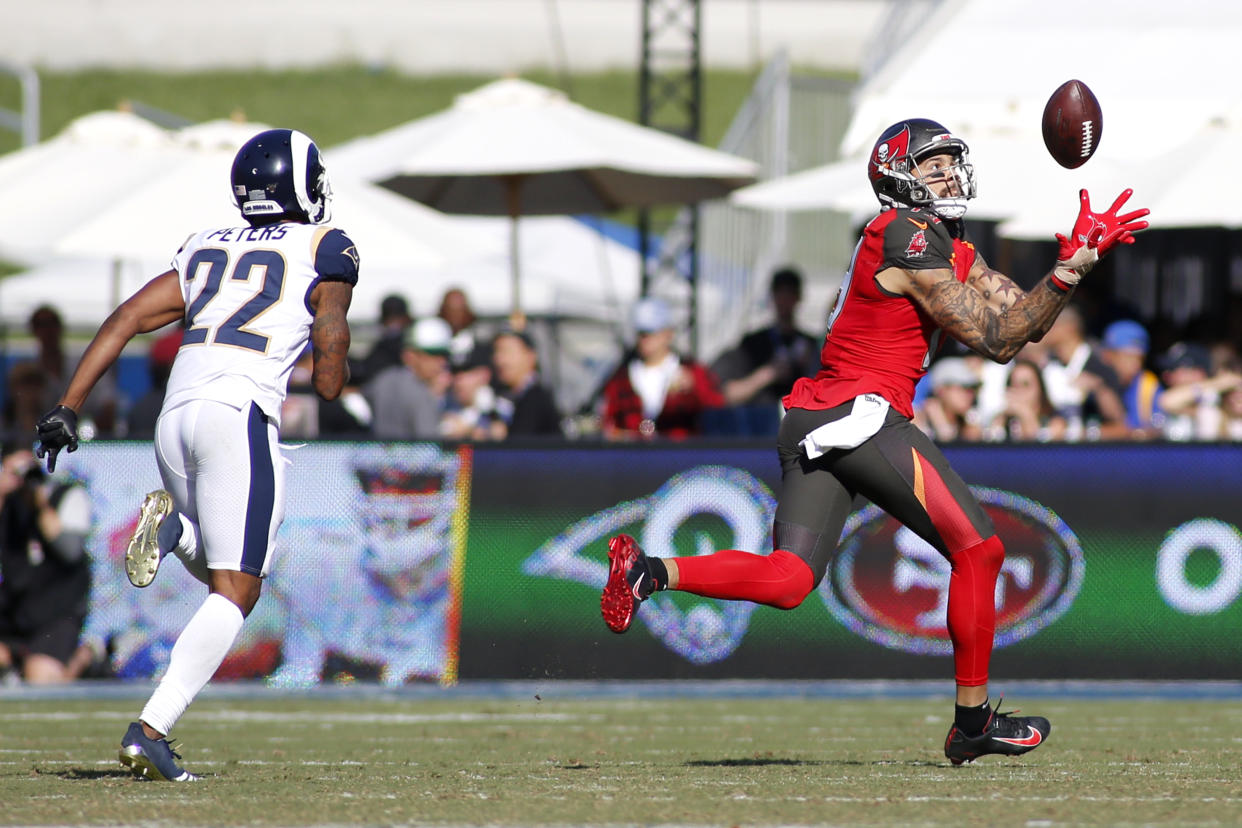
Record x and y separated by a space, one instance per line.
303 761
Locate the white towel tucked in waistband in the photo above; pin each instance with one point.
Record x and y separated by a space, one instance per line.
852 430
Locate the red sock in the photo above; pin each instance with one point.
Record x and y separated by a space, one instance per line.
779 580
972 608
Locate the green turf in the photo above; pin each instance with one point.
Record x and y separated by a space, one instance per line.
297 761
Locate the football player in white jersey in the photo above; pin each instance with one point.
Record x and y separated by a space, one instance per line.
250 297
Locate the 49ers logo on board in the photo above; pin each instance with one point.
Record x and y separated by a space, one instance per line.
890 586
918 244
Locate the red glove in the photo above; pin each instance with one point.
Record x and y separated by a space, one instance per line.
1103 231
1098 233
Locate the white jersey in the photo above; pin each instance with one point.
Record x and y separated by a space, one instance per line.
247 309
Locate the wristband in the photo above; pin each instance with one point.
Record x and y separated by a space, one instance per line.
1058 283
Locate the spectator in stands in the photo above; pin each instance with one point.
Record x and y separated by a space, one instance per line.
657 392
1081 385
1231 413
1029 414
407 400
1192 395
1124 348
38 383
761 369
456 311
304 414
45 574
470 409
140 420
1224 357
526 407
394 321
948 414
27 391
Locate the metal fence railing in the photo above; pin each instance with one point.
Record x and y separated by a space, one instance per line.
26 122
790 122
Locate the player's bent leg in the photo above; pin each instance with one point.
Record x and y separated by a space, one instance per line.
779 580
144 552
809 517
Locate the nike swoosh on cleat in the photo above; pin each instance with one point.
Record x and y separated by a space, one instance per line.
1032 740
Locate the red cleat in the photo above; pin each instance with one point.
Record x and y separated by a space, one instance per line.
629 583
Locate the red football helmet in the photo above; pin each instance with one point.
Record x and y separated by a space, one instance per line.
897 179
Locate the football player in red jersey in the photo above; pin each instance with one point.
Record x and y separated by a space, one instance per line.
848 430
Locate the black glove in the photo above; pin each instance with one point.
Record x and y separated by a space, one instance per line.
58 429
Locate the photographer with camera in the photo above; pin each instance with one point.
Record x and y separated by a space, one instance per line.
45 576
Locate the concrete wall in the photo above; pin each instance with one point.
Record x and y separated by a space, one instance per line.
417 36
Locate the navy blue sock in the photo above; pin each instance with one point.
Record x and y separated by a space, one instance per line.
169 534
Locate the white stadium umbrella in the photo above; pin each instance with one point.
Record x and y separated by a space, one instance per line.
1181 188
841 186
152 220
1190 186
83 291
513 148
138 221
133 231
558 251
1015 177
49 188
1181 56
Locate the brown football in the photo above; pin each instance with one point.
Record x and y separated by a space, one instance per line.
1073 124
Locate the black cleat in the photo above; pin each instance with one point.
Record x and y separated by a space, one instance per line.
1004 734
629 583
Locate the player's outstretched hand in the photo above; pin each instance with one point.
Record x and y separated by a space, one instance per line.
58 429
1111 228
1103 231
1095 234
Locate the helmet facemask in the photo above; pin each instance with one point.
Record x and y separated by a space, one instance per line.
315 195
961 178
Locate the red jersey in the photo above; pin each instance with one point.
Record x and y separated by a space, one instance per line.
879 342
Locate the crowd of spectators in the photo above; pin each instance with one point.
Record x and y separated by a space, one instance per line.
450 375
1073 387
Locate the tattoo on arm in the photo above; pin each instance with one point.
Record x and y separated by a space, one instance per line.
973 318
330 342
997 288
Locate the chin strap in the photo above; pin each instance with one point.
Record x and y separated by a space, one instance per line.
949 208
